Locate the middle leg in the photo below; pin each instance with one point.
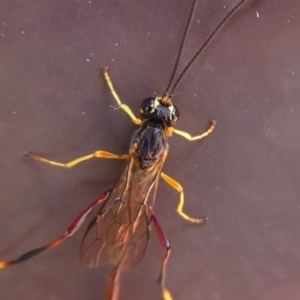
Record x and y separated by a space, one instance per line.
97 154
176 185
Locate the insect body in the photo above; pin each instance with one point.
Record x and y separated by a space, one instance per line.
120 232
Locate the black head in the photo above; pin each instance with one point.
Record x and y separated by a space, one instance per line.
160 109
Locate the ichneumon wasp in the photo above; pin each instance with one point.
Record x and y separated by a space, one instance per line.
119 234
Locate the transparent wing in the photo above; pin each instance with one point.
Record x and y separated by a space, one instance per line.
120 232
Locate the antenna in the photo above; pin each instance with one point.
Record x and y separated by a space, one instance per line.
197 54
182 43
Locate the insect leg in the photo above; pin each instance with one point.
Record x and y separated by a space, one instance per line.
166 245
174 184
197 137
98 154
125 107
73 227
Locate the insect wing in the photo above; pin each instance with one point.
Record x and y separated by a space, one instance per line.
120 232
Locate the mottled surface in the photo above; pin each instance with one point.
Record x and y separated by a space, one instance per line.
244 177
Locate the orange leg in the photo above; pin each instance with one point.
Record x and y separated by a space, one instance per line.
188 136
96 154
177 186
121 105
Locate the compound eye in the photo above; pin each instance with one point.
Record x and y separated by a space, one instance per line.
147 107
175 115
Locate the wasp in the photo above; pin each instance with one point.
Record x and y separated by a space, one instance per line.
120 232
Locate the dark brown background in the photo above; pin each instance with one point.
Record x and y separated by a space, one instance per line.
244 177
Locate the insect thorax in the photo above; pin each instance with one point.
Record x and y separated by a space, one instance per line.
151 142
